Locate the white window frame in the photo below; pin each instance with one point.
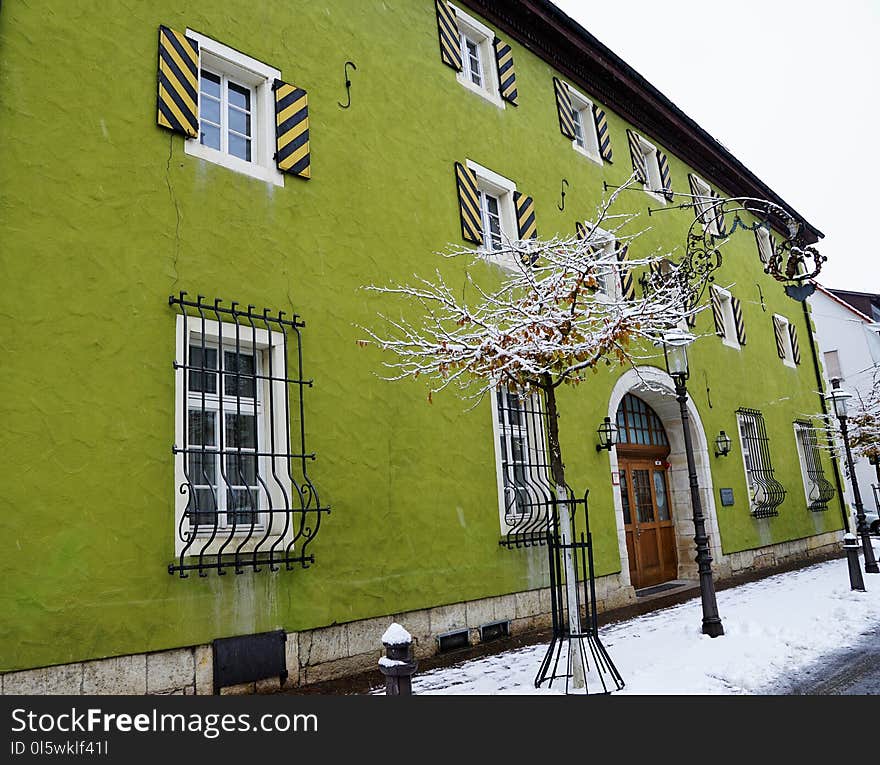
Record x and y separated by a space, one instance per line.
765 244
484 37
582 115
654 185
242 70
729 338
705 208
604 240
505 431
748 458
490 182
258 340
786 340
809 484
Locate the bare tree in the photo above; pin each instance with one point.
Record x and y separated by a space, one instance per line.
552 314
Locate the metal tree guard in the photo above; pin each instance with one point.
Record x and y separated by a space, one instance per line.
566 649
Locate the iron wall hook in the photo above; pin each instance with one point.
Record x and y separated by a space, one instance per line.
347 84
562 205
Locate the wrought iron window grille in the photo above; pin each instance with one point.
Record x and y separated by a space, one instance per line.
766 494
819 489
525 468
247 501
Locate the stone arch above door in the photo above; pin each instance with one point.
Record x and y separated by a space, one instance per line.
654 387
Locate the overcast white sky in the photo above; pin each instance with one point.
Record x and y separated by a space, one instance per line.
791 88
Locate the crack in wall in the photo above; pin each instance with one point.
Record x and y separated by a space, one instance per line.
176 210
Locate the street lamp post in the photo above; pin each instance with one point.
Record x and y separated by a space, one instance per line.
838 399
675 343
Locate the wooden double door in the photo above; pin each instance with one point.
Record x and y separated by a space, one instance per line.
647 518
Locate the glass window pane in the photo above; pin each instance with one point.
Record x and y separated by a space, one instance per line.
241 430
660 495
239 380
642 491
241 470
210 84
209 135
239 121
624 497
240 147
202 428
202 358
203 468
202 507
209 109
240 506
239 96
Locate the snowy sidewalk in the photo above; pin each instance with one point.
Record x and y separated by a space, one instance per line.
773 628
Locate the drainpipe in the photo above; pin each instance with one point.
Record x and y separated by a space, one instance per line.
821 385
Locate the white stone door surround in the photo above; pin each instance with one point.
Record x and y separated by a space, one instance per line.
655 388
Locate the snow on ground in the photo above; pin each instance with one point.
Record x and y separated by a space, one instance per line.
772 627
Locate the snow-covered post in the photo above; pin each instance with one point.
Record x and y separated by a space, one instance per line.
397 664
851 546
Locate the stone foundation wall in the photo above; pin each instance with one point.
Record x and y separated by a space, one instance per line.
332 652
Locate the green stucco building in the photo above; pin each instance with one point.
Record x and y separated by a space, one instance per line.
180 470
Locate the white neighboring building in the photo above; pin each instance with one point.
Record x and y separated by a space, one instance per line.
849 348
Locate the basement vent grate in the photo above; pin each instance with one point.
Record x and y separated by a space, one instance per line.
451 641
494 631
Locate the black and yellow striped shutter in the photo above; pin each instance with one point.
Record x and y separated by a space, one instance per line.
736 305
717 312
779 333
637 156
506 72
627 284
795 347
602 133
450 42
469 204
563 108
178 102
665 178
525 216
292 130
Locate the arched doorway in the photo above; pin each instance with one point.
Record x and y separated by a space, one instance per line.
643 451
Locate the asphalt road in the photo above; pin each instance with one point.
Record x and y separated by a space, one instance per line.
853 671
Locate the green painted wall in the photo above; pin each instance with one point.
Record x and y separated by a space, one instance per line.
103 216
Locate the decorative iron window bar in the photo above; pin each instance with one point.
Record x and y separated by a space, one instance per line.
525 469
819 491
766 493
249 500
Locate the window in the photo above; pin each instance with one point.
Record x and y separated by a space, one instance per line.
497 213
832 365
478 70
607 272
765 244
236 111
585 141
723 314
638 423
783 331
521 460
765 492
817 489
644 157
704 200
239 489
